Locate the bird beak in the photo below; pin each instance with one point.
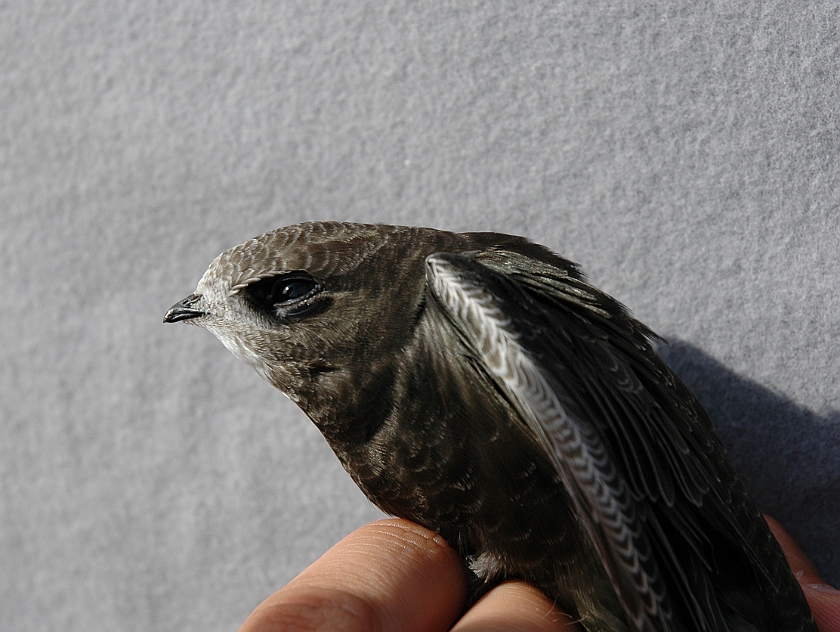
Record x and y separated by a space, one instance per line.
184 310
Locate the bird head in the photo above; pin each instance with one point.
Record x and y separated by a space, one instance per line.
311 303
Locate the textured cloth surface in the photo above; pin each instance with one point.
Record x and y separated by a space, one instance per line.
685 154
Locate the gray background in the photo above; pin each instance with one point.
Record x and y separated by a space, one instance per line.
685 153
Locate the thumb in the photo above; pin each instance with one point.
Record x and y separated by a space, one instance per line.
823 599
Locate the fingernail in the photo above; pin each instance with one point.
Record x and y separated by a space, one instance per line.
824 588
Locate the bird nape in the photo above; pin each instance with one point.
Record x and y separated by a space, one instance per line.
476 384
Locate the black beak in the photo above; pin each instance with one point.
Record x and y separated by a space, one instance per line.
183 310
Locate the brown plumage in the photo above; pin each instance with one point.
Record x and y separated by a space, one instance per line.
478 385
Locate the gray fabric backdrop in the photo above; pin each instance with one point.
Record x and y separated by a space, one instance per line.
685 153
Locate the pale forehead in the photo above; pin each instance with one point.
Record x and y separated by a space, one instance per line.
320 248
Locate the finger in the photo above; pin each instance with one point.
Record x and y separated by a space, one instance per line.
823 599
515 606
391 575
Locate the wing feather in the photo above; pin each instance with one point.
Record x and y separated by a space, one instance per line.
634 449
471 295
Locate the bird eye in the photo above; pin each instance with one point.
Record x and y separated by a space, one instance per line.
284 296
287 291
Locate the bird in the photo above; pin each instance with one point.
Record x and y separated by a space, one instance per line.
479 385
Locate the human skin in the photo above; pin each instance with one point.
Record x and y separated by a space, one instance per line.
394 575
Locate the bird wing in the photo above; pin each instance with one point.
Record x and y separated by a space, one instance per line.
582 376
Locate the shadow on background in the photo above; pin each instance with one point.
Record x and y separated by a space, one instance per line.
786 455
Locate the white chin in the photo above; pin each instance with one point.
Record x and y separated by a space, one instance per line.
235 346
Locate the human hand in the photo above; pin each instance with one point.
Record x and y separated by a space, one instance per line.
396 575
823 599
